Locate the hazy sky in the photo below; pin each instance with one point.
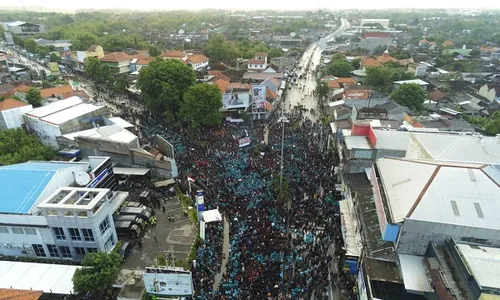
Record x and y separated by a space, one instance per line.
249 4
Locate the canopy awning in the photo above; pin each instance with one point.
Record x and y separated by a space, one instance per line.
211 216
131 171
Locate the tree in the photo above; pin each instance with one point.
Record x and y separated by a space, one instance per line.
201 105
379 77
410 95
339 68
17 146
163 84
274 52
401 74
153 51
356 64
34 97
322 90
475 53
121 85
97 72
30 45
54 57
219 50
99 271
283 193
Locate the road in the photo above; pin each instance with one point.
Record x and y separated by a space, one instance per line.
301 93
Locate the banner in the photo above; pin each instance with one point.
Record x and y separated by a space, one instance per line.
235 100
169 284
243 142
200 200
259 98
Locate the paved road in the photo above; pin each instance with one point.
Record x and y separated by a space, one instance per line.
301 93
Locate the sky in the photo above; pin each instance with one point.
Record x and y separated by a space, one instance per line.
68 5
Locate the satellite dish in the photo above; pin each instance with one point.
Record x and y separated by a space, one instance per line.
82 178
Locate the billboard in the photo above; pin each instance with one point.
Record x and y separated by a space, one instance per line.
243 142
54 68
235 100
357 94
200 200
258 98
169 283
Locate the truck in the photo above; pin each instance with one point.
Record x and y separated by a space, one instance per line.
127 229
134 219
141 212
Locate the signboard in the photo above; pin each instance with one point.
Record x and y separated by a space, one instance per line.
54 68
235 100
357 94
200 200
259 98
243 142
172 283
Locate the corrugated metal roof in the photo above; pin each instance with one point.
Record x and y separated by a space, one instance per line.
71 113
393 140
414 275
352 241
54 107
484 263
357 142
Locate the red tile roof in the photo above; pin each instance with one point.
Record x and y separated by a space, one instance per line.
223 85
332 84
436 96
197 58
145 60
376 35
346 80
386 58
60 90
260 54
214 72
270 94
12 294
116 57
371 62
23 88
10 104
240 86
173 54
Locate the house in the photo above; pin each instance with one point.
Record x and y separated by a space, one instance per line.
218 75
370 62
240 87
174 54
272 84
423 43
255 65
79 57
59 92
197 61
223 85
261 56
376 35
11 113
24 29
489 92
385 58
118 62
273 69
143 62
259 77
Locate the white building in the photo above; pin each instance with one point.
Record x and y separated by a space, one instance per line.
62 117
421 201
11 113
256 65
45 214
24 29
197 61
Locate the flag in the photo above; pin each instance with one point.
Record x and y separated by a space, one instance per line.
190 179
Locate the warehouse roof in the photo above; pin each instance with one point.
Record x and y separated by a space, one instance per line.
484 263
51 279
460 147
111 133
22 184
71 113
54 107
439 191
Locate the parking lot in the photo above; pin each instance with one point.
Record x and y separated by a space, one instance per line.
176 237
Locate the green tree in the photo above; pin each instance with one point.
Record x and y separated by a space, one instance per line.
83 40
97 72
163 84
410 95
201 105
380 78
274 52
322 90
121 85
99 271
30 45
356 64
475 53
154 51
339 68
17 146
219 50
45 84
339 56
492 125
402 74
54 57
34 97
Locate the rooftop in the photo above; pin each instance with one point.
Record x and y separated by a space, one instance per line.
483 263
54 107
114 133
13 294
460 147
197 58
261 76
414 273
11 103
75 197
71 113
59 90
260 54
51 279
438 191
392 139
22 184
114 57
174 53
357 142
416 81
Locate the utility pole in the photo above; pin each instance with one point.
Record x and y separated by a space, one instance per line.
284 120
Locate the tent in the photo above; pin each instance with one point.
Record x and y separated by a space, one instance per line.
211 216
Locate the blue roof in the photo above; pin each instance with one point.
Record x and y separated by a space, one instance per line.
22 184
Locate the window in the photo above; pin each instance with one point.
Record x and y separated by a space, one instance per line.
17 230
79 250
4 230
75 234
91 250
110 243
53 251
39 251
88 235
31 231
65 253
104 226
59 233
